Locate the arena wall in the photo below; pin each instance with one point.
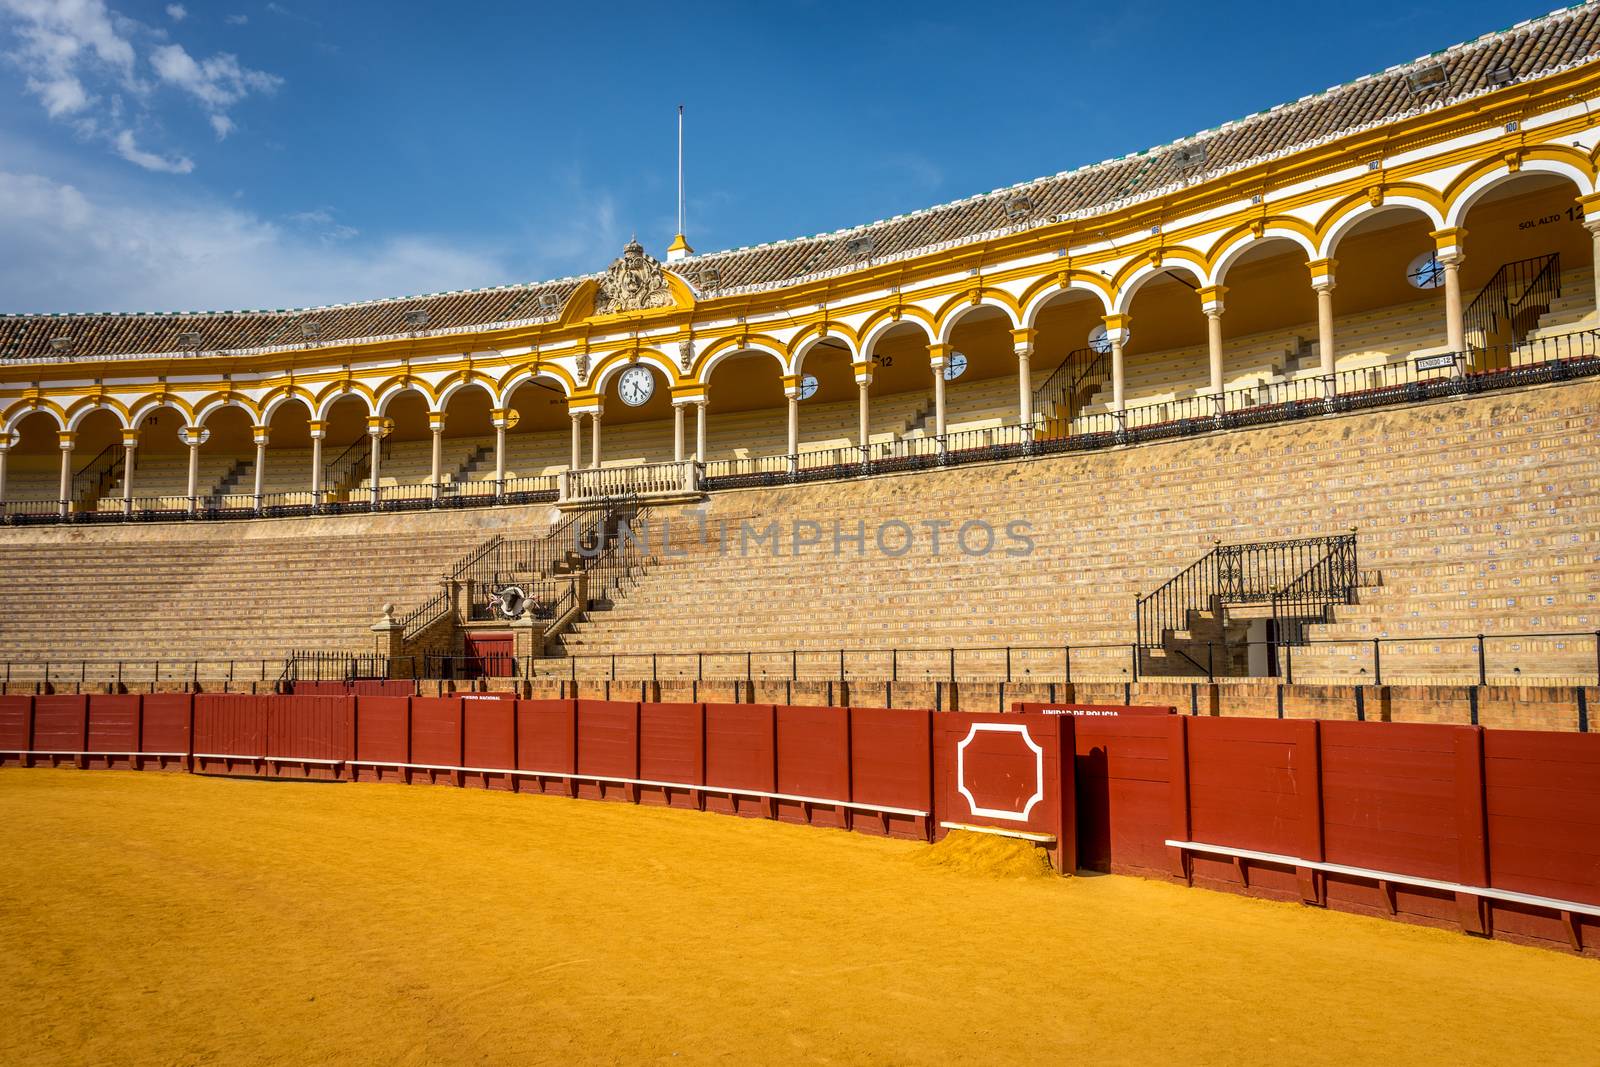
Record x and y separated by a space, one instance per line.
1422 822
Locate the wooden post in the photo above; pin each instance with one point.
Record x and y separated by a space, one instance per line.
1471 833
1066 856
1178 791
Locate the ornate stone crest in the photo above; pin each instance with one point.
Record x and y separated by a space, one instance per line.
634 282
686 355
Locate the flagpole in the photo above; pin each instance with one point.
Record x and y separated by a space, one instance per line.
680 168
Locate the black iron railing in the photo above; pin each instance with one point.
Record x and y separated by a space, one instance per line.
1510 303
98 475
1076 377
1302 578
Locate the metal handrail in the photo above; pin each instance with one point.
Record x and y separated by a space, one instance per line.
1534 280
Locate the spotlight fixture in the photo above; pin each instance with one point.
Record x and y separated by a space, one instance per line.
1427 79
1191 155
1500 75
860 248
61 346
310 329
1019 207
417 318
189 341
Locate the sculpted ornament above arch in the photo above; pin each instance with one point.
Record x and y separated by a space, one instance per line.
634 282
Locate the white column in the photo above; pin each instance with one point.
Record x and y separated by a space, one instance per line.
700 429
260 433
375 464
677 433
196 436
594 438
1592 224
1212 305
577 440
67 438
1450 253
1117 334
863 419
319 430
436 469
1022 345
792 393
501 417
5 451
130 449
937 356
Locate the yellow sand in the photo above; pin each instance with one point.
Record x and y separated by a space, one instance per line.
151 918
987 854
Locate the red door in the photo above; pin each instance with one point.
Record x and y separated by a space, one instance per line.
490 655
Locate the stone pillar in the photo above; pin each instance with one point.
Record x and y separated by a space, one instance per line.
1117 335
260 433
194 436
1449 245
1590 206
700 428
5 451
502 419
436 469
1022 344
1322 280
791 392
938 357
1211 303
319 430
863 373
577 440
677 432
375 464
67 440
594 442
130 448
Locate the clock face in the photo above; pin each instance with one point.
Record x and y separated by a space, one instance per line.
636 386
955 366
808 387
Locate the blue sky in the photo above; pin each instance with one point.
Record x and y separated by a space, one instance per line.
164 156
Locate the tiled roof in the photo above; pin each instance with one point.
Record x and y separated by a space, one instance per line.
1530 49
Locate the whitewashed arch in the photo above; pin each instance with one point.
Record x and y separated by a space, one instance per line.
15 417
615 366
332 397
810 344
1330 241
76 418
877 333
755 349
271 407
523 377
1046 297
1242 243
394 392
459 384
1474 190
210 409
948 327
1147 272
145 408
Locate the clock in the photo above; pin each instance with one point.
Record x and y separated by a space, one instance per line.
808 387
636 386
955 366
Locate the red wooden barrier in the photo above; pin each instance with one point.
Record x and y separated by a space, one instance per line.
672 748
1011 774
547 743
741 753
1093 711
490 741
813 760
113 730
16 728
608 747
1123 782
60 727
436 739
891 765
166 725
310 736
230 733
382 739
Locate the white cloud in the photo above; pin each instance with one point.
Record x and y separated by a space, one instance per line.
129 150
67 251
81 60
237 20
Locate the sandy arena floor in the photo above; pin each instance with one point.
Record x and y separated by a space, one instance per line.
173 919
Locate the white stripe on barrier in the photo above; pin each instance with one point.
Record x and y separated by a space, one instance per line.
1000 831
1510 895
51 752
820 801
269 759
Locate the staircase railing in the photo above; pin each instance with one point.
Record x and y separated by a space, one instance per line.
96 476
1309 571
350 466
1082 368
1309 599
1511 301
